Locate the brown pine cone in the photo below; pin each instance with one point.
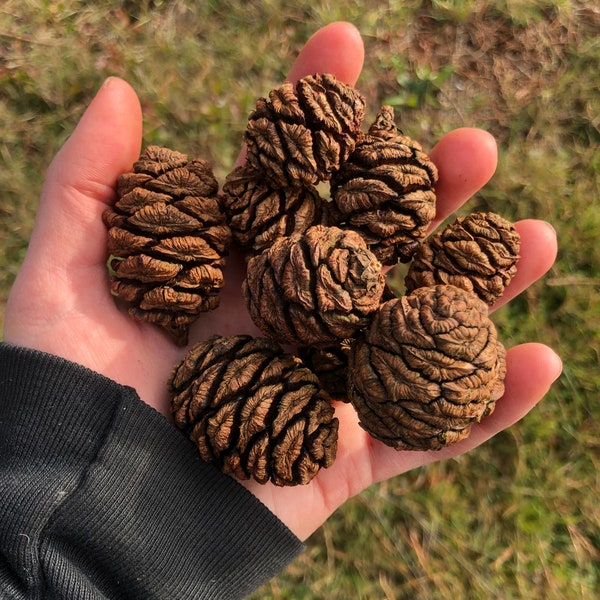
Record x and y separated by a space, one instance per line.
330 365
302 133
167 240
316 288
478 253
254 411
428 368
258 214
385 191
384 126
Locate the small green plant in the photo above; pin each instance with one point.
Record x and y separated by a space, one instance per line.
419 86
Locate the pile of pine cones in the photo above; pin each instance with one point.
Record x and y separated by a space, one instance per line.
419 369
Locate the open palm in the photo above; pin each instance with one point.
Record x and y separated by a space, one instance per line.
61 303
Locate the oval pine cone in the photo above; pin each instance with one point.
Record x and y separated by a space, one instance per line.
258 214
316 288
254 411
302 133
385 191
478 253
167 240
429 366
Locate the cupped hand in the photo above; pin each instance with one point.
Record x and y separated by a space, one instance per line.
61 304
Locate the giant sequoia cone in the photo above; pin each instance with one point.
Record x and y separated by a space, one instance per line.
330 365
258 213
314 289
385 191
428 367
167 240
254 411
420 370
303 132
478 253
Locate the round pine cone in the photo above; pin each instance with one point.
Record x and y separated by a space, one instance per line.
385 191
316 288
429 366
167 240
254 411
478 253
303 132
258 214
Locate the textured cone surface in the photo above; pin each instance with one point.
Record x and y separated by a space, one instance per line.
258 214
478 253
313 289
302 133
167 240
385 191
254 411
428 368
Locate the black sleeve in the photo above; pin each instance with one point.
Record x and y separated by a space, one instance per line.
102 498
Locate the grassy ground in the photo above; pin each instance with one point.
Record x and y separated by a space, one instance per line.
519 517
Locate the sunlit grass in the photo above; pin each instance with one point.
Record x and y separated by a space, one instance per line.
518 517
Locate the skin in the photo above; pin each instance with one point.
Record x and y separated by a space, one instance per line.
60 302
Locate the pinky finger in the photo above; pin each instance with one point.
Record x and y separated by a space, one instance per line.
531 369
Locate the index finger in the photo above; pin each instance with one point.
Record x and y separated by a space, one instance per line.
466 159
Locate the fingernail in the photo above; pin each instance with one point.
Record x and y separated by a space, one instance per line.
550 226
108 81
558 365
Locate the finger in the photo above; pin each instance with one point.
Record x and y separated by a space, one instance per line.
81 179
530 371
466 159
65 261
362 460
336 48
538 253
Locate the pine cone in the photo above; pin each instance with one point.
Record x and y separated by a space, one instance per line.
313 289
385 191
303 132
254 411
428 368
330 365
258 214
478 253
167 240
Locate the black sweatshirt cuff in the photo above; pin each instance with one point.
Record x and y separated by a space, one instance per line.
101 497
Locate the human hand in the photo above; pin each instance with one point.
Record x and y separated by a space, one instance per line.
60 302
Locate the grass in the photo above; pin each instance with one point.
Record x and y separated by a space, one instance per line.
518 517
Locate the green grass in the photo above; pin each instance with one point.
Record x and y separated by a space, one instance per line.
518 517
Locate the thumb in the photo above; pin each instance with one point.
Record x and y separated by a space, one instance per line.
81 179
68 243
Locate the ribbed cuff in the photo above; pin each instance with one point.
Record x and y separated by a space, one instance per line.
101 497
